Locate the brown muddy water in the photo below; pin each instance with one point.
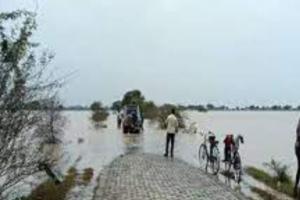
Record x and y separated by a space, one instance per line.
267 135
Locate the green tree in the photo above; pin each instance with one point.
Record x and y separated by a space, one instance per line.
276 107
287 107
150 110
99 114
24 87
96 106
116 106
165 111
133 97
210 107
201 108
280 170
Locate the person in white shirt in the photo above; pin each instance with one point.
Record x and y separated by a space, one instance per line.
172 129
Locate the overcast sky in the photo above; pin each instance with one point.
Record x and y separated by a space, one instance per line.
234 52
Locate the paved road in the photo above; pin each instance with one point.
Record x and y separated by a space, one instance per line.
140 176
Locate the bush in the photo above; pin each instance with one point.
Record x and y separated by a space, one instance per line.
100 114
51 191
164 111
280 181
87 175
150 110
259 175
280 171
263 194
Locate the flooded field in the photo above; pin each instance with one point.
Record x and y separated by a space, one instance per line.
267 135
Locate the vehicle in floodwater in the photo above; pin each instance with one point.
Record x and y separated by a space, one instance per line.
133 121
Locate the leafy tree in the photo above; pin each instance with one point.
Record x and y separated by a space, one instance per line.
253 107
116 106
163 113
280 170
95 106
133 97
99 114
201 108
287 107
23 83
210 106
276 107
150 110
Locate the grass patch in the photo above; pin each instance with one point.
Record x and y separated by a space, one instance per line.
273 182
48 190
259 175
51 191
263 194
87 176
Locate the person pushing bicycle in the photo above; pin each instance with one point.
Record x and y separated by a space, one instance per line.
229 147
212 142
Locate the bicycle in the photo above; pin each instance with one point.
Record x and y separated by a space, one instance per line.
212 161
236 161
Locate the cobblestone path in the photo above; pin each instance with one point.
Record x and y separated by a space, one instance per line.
152 177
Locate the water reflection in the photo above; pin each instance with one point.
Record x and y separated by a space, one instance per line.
133 143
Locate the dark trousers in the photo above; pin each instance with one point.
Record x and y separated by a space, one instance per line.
170 139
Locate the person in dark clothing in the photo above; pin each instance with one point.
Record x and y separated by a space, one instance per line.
297 151
119 119
228 147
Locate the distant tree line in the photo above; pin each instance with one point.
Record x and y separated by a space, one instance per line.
211 107
149 107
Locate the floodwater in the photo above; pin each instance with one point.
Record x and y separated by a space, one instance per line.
267 135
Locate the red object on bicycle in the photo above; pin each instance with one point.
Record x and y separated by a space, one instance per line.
229 140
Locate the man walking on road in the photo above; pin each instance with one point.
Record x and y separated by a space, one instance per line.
172 129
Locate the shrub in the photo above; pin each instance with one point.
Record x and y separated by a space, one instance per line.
87 176
280 181
51 191
164 111
263 194
280 170
99 114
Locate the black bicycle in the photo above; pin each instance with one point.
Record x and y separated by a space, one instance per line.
236 162
209 161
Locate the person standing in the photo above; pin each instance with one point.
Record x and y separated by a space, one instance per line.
297 151
172 129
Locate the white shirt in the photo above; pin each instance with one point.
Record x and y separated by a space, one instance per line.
172 124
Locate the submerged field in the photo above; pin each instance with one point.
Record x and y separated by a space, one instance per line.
267 135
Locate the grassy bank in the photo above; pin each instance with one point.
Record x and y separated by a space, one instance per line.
285 186
263 194
48 190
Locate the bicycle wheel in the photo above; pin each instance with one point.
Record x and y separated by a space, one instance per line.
215 161
202 155
228 161
237 165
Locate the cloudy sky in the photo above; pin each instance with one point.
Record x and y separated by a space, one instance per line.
234 52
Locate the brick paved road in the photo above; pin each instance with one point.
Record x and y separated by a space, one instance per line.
151 177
